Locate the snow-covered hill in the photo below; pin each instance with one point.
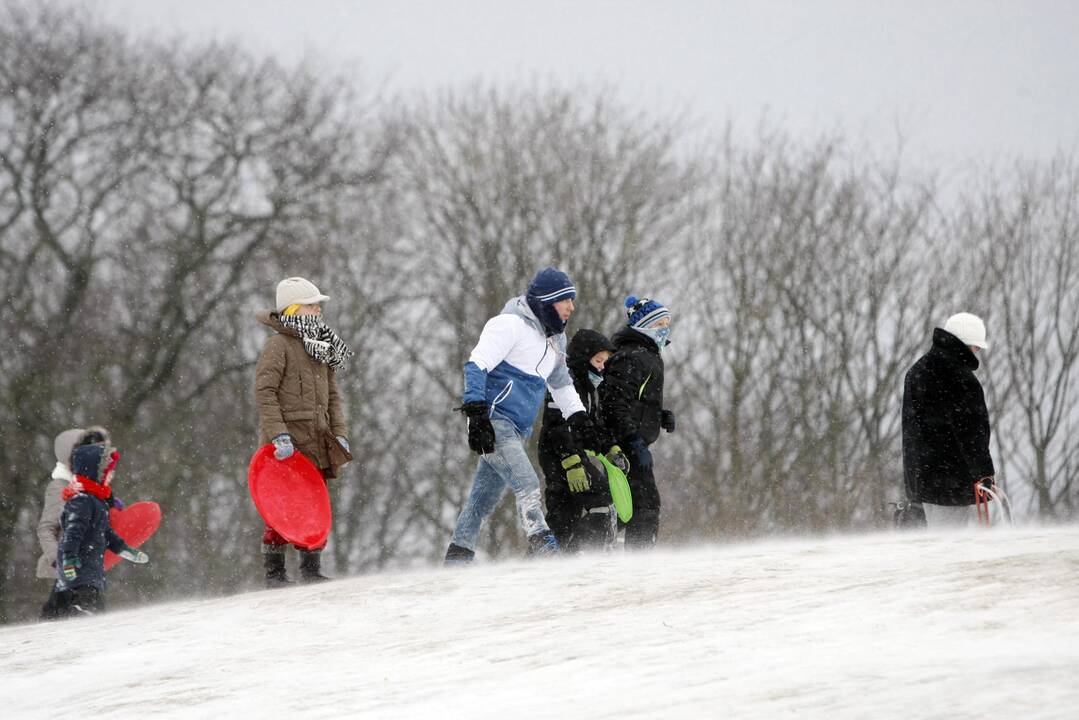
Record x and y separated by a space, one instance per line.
979 625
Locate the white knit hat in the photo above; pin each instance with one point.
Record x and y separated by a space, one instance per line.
968 328
297 291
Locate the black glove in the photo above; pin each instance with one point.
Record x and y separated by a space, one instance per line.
583 429
481 434
666 420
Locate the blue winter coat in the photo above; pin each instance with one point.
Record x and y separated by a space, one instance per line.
86 533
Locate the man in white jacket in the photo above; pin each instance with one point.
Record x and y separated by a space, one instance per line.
521 354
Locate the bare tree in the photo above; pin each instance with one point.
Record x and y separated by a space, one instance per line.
147 192
1025 237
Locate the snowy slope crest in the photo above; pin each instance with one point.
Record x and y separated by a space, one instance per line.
969 625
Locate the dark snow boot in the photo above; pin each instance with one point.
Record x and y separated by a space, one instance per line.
275 570
543 544
310 567
457 555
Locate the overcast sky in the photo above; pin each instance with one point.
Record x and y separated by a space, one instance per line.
961 81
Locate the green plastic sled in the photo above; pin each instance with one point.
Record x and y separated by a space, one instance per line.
620 495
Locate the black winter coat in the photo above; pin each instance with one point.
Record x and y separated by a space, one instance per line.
631 395
85 533
945 425
555 439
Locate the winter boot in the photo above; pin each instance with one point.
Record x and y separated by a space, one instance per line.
457 555
543 544
275 569
642 530
310 567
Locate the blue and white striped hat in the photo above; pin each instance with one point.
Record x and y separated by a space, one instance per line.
644 312
551 285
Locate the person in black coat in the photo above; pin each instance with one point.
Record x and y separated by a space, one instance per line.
631 407
579 509
946 424
86 532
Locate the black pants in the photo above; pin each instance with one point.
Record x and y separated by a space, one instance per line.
81 601
643 527
568 513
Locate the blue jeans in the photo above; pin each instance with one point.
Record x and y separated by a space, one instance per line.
508 466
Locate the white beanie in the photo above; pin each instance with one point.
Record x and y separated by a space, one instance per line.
297 291
968 328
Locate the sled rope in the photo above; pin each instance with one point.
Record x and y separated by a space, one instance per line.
982 498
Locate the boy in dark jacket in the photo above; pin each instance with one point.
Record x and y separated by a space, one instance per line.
578 499
86 533
631 407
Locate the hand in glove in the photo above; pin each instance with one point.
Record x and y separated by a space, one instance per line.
576 477
616 457
642 456
343 442
71 565
583 429
666 420
481 433
136 556
283 446
117 503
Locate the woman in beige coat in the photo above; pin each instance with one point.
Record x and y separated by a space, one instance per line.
298 403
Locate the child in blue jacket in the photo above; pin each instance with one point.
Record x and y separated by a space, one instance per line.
86 533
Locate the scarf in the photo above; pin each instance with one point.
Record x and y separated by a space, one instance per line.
86 485
320 342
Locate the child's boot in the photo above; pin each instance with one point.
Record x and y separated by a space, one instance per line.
310 566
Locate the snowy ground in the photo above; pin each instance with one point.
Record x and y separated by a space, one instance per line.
980 625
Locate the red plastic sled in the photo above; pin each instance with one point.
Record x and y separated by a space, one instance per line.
135 524
291 497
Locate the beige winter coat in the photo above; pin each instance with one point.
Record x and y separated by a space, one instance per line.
48 526
298 395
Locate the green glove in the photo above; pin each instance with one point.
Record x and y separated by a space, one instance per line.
575 474
71 567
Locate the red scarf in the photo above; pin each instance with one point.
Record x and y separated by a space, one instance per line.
86 485
102 491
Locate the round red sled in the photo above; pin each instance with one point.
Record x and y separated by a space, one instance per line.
135 524
291 496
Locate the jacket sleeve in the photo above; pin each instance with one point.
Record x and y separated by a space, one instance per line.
565 396
268 374
337 415
79 512
495 343
115 542
48 525
618 394
973 440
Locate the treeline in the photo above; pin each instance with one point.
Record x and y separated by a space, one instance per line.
152 194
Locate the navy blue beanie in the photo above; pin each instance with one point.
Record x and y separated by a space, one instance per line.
644 312
548 287
90 461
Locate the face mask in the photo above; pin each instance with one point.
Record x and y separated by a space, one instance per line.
596 379
659 335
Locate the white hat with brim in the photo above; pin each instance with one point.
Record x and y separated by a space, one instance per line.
298 291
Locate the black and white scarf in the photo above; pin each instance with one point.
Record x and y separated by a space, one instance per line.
320 342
